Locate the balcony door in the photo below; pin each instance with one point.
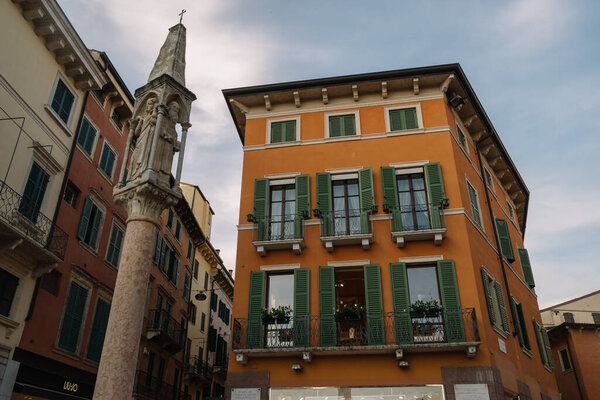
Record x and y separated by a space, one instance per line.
412 197
346 207
282 212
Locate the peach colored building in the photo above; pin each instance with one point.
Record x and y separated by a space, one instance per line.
381 245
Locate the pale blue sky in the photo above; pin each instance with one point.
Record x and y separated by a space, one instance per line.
533 64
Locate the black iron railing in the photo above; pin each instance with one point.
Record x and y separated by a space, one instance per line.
415 217
160 320
278 227
340 223
196 368
25 216
149 387
391 328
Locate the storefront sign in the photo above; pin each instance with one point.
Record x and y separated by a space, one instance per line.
70 386
478 391
245 394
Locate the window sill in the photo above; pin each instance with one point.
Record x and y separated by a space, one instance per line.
409 236
113 267
89 248
527 352
66 353
364 239
85 153
105 176
500 332
262 246
58 120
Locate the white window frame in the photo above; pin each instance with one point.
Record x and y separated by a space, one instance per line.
107 143
491 185
85 153
458 122
86 284
387 110
345 112
283 119
481 225
48 107
562 365
122 228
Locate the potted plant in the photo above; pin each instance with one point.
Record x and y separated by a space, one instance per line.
280 315
349 312
429 308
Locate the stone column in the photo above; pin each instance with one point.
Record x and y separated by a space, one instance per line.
184 130
117 369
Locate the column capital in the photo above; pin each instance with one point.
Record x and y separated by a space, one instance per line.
146 200
185 125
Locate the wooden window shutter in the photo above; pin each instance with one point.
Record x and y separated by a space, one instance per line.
516 321
256 304
569 318
488 295
455 331
276 132
390 196
526 266
324 201
349 125
97 221
74 310
367 198
435 189
290 131
85 218
301 332
327 327
410 116
403 119
596 318
501 306
98 330
34 192
401 300
540 341
549 357
302 203
335 126
261 206
505 242
111 245
375 327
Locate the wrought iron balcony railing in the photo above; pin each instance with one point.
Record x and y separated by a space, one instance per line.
391 328
25 216
195 368
415 217
278 228
167 328
146 386
340 223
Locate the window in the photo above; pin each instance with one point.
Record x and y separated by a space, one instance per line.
504 237
114 245
177 230
107 160
202 322
170 219
172 268
71 194
413 202
116 118
520 325
87 136
62 101
8 287
511 212
423 284
150 369
283 131
196 267
282 212
342 125
596 317
474 200
33 195
403 119
569 318
565 360
187 285
73 318
488 180
495 301
462 140
193 311
346 207
98 330
223 312
205 280
189 250
90 223
213 301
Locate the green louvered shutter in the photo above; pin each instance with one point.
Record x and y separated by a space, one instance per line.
505 242
375 327
87 134
256 304
98 330
401 300
396 120
73 317
549 357
540 341
327 328
516 322
290 131
324 201
390 196
335 126
410 116
367 199
501 306
302 203
276 132
33 195
435 188
488 295
85 218
526 266
98 217
349 125
301 332
455 331
403 119
261 206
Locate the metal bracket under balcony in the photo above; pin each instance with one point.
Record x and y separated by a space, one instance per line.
346 228
416 222
278 233
165 330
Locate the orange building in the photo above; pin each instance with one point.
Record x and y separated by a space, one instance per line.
380 245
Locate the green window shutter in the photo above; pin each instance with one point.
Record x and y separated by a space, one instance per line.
488 295
34 192
335 126
474 204
261 206
516 321
396 120
62 101
401 299
569 318
523 326
73 317
86 137
97 220
367 198
390 195
276 132
302 203
502 306
98 330
327 328
324 201
157 245
526 266
375 327
540 341
256 304
301 333
111 245
290 131
505 242
596 317
403 119
85 218
455 331
349 125
435 188
410 116
549 357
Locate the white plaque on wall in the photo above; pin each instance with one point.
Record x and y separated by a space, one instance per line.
502 345
245 394
477 391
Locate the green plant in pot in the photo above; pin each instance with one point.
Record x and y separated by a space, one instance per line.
280 315
429 308
349 312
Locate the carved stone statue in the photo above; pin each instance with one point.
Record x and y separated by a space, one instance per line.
143 133
167 143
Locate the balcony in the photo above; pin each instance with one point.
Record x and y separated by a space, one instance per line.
278 233
345 227
416 222
148 387
198 371
447 330
165 330
23 225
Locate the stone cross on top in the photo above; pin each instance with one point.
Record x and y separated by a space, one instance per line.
181 15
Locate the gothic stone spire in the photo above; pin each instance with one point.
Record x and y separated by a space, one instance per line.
171 59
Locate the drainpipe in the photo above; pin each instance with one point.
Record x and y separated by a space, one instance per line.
498 248
185 355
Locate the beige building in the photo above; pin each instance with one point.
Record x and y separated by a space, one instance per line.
45 74
583 310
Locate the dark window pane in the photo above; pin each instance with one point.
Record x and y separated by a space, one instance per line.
422 284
